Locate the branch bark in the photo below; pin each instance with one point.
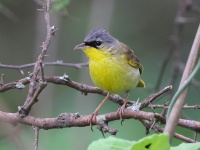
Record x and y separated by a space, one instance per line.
67 120
24 110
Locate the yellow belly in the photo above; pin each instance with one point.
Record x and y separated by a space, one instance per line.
113 75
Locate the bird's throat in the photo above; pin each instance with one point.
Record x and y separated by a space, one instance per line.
96 54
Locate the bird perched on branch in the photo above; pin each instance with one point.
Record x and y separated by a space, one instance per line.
113 66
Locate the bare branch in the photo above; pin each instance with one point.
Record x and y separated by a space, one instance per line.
32 86
152 97
1 80
56 63
156 128
85 89
66 120
184 107
36 130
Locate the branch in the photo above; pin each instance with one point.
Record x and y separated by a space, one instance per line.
156 128
184 107
152 97
56 63
84 89
24 110
36 130
67 120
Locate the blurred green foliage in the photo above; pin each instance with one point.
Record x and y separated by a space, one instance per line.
143 25
60 5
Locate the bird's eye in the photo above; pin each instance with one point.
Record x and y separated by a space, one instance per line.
97 43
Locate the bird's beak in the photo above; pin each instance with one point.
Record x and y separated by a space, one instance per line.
80 46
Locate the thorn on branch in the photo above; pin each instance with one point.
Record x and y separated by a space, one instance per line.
21 71
152 125
149 125
83 91
30 75
164 112
46 55
43 45
43 9
1 81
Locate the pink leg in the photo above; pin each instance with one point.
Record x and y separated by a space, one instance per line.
95 113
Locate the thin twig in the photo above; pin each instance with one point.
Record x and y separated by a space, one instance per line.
184 107
195 136
36 131
156 128
56 63
32 86
152 97
163 67
1 80
85 89
35 97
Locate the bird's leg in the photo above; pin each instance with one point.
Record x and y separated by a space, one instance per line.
120 111
95 113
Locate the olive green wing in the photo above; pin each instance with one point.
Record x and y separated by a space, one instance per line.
132 58
134 62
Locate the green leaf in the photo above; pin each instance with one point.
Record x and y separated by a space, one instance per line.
187 146
153 142
110 143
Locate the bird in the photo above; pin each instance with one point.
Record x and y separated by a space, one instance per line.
113 66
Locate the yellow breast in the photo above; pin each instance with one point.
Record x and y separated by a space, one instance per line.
111 73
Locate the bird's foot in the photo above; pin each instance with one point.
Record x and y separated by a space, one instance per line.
91 117
120 111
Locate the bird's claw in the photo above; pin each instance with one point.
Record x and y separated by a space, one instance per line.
91 117
120 112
